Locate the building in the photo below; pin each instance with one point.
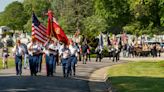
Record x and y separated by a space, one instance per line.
4 30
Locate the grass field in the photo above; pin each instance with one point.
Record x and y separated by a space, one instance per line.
138 77
11 63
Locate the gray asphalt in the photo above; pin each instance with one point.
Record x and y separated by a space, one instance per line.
9 82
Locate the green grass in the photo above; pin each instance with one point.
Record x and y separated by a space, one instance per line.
93 55
138 77
11 63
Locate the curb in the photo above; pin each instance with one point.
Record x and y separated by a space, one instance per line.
97 81
98 78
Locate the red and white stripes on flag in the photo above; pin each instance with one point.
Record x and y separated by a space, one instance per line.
39 30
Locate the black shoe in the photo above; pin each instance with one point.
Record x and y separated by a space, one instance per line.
67 75
70 74
31 74
48 74
52 75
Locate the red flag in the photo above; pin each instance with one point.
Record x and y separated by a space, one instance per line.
55 30
49 26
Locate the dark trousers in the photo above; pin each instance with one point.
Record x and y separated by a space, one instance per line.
50 61
88 57
79 56
33 60
154 53
57 59
18 63
73 63
159 53
66 66
40 63
84 58
98 56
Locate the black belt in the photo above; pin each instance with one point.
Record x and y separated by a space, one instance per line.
51 54
18 56
72 55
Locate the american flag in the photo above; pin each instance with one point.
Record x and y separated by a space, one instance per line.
39 30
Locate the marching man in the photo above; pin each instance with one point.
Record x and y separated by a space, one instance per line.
18 53
74 51
33 56
65 59
51 52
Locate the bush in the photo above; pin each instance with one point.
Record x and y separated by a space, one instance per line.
105 52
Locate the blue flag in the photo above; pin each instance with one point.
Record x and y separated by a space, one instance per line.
101 43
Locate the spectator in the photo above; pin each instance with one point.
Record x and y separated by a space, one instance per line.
5 54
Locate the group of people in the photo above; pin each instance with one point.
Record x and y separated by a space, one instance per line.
56 53
141 50
53 52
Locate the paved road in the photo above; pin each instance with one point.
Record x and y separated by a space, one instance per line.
11 83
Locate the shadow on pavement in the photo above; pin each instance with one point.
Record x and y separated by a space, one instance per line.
43 84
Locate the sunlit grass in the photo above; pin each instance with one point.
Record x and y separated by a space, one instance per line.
11 63
138 77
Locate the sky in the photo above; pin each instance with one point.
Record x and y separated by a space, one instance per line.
4 3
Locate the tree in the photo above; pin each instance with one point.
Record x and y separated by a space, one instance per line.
71 13
39 7
147 14
13 16
115 12
1 19
94 25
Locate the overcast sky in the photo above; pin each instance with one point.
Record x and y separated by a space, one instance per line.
4 3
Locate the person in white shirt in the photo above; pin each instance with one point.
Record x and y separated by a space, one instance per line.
33 56
65 56
74 52
18 53
51 53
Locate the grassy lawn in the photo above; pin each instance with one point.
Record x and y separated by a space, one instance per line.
93 55
11 63
138 77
